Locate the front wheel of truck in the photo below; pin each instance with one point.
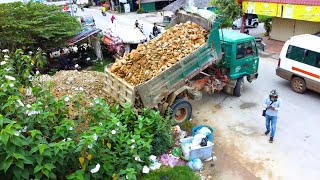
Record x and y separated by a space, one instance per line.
181 110
238 90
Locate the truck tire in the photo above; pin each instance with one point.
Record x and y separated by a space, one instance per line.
238 90
234 27
298 85
255 25
181 110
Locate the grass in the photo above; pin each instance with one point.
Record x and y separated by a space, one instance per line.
168 173
187 126
100 65
263 18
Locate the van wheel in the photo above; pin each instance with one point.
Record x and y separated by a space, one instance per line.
181 110
298 85
255 25
238 90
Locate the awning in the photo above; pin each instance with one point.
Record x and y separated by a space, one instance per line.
83 35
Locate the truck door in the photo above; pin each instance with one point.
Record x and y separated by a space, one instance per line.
247 58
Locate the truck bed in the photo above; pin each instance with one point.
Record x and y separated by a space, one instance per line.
156 89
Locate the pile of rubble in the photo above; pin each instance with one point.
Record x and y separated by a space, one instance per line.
72 82
150 59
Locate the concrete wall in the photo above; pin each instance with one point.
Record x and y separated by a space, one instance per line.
283 29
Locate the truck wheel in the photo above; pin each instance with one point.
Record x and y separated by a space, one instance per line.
255 25
238 90
181 110
298 85
234 27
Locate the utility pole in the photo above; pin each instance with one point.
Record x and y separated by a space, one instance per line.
71 4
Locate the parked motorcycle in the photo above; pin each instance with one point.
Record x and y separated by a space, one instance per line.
152 36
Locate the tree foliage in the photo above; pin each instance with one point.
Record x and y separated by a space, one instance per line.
35 25
229 9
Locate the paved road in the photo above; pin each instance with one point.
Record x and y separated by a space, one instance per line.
256 32
103 22
240 127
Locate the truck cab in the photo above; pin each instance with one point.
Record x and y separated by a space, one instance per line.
240 59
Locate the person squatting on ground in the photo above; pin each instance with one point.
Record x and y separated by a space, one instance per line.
272 105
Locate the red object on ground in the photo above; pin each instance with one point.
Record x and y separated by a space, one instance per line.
112 18
302 2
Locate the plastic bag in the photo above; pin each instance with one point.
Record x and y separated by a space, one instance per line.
197 141
177 152
186 148
204 130
155 164
195 164
169 159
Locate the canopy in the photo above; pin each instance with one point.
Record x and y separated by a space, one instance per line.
126 34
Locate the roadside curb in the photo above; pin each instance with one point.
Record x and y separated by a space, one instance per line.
269 54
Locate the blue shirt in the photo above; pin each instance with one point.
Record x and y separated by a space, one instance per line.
276 105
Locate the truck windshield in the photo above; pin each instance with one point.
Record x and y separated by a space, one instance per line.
246 49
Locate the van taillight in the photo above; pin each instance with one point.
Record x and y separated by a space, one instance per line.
279 61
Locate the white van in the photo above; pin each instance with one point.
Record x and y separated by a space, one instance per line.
299 63
251 21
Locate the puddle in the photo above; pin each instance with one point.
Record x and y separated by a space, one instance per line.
247 105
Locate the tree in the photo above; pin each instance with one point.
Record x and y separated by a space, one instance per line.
229 9
36 25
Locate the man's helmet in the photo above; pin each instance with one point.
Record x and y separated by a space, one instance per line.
273 93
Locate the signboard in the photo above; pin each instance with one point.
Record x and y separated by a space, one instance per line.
127 8
267 9
301 12
290 11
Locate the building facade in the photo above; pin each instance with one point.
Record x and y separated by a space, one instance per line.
289 17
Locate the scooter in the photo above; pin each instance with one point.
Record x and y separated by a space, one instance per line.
151 36
140 28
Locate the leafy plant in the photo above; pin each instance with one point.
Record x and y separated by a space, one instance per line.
35 25
43 137
177 173
229 9
267 25
140 11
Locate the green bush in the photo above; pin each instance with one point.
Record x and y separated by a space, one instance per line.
140 11
263 18
44 137
176 173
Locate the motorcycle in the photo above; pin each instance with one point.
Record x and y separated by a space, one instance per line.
151 36
140 28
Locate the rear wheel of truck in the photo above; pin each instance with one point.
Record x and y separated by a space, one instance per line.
238 90
181 110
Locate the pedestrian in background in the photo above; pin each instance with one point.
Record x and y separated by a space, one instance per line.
272 105
112 18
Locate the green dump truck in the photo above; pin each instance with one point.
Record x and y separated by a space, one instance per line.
221 63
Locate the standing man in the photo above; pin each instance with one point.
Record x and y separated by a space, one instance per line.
272 105
64 63
155 30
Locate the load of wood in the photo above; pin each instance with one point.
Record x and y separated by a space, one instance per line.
155 56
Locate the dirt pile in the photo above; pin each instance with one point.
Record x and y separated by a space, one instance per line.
69 83
155 56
